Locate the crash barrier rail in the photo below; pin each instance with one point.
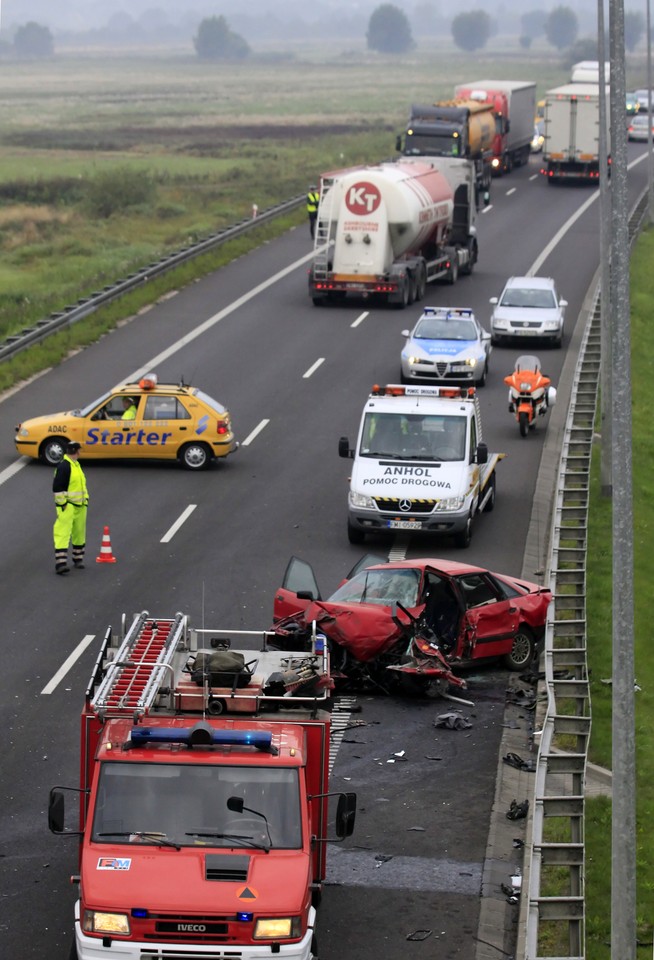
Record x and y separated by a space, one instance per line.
88 305
555 912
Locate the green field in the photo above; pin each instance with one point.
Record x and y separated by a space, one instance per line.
207 141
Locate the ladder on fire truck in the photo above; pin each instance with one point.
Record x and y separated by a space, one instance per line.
323 230
142 668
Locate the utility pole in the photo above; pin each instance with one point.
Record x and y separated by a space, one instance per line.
606 406
623 824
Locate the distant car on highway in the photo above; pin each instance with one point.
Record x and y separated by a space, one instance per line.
148 420
447 345
528 307
632 104
538 138
637 129
642 96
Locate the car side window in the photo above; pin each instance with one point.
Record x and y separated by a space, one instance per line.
476 590
165 408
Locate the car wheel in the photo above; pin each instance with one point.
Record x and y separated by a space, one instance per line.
482 380
464 537
558 341
523 649
354 535
490 503
195 456
52 450
318 301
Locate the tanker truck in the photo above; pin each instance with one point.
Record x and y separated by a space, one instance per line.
453 128
386 231
514 106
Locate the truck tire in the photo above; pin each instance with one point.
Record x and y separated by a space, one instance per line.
464 537
523 650
314 947
354 535
72 954
453 272
404 296
422 282
490 503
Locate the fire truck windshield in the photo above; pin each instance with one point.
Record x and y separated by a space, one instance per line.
186 804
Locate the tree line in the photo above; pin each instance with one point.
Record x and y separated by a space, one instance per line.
389 31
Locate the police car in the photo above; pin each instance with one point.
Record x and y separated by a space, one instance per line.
447 345
148 420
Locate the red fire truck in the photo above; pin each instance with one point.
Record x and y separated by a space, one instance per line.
203 797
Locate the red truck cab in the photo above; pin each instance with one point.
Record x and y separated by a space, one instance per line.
200 830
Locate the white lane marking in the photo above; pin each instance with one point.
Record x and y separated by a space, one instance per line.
168 536
360 319
255 433
313 368
487 208
67 664
534 176
509 192
13 468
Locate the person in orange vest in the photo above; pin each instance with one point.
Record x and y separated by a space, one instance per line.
71 500
313 199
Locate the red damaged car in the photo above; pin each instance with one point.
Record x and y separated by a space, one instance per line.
389 614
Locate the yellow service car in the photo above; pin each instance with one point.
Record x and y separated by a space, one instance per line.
157 421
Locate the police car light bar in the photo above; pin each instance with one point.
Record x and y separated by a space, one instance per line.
202 735
395 390
447 313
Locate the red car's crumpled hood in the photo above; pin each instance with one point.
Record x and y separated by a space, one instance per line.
157 879
365 630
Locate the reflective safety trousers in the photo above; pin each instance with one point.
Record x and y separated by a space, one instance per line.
70 525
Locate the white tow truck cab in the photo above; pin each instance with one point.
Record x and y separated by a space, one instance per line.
420 463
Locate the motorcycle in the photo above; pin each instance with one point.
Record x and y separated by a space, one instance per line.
530 393
410 659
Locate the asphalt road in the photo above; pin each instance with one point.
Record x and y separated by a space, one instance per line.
283 493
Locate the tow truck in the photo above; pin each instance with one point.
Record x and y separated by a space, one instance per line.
420 463
203 796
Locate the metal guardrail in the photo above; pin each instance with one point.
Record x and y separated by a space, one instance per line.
555 912
88 305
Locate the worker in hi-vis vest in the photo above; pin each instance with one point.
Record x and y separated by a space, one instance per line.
313 199
71 500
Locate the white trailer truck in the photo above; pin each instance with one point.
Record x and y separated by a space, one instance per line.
571 145
514 103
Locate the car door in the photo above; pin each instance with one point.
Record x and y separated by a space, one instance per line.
167 425
107 434
299 588
491 619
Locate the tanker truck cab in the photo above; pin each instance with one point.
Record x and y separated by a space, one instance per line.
420 464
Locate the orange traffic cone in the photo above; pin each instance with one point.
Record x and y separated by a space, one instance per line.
106 556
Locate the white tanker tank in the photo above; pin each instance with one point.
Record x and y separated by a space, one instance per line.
388 230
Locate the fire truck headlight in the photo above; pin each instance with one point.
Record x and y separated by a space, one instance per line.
277 928
96 921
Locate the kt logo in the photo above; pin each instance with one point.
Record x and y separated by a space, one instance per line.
362 198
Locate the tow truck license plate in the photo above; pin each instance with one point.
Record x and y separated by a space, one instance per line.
405 524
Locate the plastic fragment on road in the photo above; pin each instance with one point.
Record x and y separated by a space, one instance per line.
454 720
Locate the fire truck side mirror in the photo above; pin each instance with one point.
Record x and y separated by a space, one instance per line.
56 811
344 448
346 815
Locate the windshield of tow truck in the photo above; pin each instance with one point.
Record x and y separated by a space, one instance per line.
414 436
380 586
187 804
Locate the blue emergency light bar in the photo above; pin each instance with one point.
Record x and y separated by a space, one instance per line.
447 313
203 734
